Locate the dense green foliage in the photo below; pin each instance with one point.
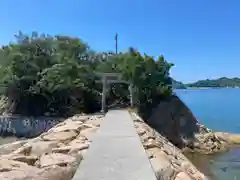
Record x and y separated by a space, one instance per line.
56 74
216 83
178 84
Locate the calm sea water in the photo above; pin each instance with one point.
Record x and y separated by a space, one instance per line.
218 109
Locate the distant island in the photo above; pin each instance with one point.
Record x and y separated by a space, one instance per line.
222 82
178 85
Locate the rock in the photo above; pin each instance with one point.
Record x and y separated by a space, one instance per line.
183 176
79 118
151 143
160 164
141 131
48 173
69 125
162 168
59 136
30 160
8 148
71 149
88 132
10 165
87 126
55 159
54 155
56 173
228 137
78 147
19 175
167 160
156 152
79 140
64 149
95 122
42 147
145 137
26 149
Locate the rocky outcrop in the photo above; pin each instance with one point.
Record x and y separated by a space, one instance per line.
167 160
228 138
54 155
174 120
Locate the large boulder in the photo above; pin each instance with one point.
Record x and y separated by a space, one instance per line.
175 121
67 125
60 136
10 147
30 160
49 173
182 176
43 147
56 173
56 159
7 165
228 137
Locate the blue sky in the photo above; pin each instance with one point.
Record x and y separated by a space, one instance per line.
202 37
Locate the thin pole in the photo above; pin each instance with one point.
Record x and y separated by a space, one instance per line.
131 94
116 43
104 90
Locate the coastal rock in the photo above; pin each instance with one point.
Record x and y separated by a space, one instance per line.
94 121
48 173
25 150
228 137
56 159
71 149
8 148
182 176
167 160
30 160
56 173
174 120
162 167
88 132
43 147
69 125
54 155
11 165
61 136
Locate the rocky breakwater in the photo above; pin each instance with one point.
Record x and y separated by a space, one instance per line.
175 121
228 138
167 160
54 155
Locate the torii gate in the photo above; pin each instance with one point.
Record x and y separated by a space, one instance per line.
117 79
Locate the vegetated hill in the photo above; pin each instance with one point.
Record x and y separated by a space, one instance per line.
178 84
57 75
220 82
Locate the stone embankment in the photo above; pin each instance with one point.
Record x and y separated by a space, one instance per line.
54 155
175 121
228 138
167 160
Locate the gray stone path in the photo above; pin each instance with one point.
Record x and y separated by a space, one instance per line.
116 152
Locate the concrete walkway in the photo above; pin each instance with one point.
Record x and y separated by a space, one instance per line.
116 152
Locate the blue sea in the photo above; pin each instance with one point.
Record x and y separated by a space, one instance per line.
219 110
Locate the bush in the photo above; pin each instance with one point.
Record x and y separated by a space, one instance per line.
57 74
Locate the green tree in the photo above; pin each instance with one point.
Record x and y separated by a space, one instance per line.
56 74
